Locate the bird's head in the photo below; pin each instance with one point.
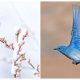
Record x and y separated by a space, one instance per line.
61 49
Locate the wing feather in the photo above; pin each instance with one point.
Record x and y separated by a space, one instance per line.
75 40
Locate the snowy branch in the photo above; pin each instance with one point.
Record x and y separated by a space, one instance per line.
18 54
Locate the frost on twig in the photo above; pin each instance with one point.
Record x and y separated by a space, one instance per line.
37 71
4 41
31 64
19 55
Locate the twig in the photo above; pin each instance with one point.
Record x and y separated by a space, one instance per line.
38 71
17 34
31 64
4 41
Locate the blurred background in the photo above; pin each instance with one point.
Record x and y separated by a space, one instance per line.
56 26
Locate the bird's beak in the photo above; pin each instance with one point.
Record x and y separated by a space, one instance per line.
54 49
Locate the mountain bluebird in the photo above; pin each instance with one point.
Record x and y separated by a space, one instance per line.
72 51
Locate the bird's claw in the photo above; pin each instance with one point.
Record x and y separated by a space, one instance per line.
76 62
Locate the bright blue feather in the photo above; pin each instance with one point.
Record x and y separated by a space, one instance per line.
75 40
73 50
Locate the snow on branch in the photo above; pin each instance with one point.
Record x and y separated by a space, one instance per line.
19 55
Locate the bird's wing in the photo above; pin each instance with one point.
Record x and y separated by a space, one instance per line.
75 40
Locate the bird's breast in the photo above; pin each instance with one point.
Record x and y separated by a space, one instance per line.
74 54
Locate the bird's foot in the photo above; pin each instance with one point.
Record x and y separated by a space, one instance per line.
76 62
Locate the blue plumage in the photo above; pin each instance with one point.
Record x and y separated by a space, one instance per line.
72 51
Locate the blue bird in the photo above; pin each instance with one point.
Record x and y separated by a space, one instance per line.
72 51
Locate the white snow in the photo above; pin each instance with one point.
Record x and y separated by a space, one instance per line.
13 68
22 52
